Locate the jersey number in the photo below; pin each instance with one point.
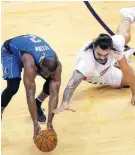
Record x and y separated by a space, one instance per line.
34 39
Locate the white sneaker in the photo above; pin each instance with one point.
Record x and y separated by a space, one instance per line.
128 14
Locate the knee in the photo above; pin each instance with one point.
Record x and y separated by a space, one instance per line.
46 89
13 90
13 86
10 91
46 86
7 95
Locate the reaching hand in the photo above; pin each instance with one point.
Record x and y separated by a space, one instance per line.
36 131
49 126
64 106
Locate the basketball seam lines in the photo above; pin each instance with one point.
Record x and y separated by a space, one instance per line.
50 135
51 141
47 145
41 144
47 133
38 139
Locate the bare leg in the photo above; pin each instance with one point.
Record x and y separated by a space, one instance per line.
128 15
124 29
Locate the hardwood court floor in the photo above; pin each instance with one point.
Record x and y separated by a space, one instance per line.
104 122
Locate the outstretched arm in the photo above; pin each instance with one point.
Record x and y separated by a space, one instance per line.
74 81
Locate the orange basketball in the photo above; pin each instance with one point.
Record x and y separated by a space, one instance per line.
46 140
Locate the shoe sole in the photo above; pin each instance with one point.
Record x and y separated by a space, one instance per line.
41 122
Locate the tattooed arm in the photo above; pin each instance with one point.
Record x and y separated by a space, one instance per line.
74 81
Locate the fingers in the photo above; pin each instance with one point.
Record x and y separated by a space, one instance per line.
56 111
37 130
61 109
50 128
133 102
72 110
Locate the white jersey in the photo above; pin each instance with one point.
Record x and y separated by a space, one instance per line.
92 69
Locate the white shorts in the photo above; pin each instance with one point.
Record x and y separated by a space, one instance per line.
112 77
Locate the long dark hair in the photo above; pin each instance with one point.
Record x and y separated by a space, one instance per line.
103 41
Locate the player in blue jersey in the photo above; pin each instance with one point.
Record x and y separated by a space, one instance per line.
37 58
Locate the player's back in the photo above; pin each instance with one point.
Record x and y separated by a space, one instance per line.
32 44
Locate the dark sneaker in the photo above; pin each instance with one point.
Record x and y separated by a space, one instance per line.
40 114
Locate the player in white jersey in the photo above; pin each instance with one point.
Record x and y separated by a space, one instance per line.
98 68
96 59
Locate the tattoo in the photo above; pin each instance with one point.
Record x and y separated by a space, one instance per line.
75 80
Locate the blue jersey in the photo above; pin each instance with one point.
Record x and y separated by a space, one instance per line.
14 48
32 44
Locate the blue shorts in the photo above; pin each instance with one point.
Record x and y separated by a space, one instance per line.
11 66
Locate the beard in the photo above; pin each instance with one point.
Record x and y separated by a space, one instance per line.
102 61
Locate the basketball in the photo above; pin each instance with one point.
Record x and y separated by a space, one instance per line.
46 140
